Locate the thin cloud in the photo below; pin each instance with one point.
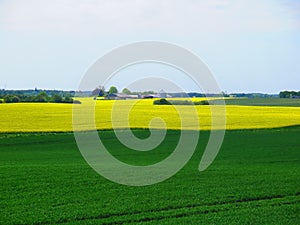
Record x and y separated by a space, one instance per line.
167 16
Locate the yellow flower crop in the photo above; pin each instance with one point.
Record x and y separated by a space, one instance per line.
50 117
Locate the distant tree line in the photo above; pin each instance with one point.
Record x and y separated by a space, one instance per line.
19 96
100 91
35 92
289 94
253 95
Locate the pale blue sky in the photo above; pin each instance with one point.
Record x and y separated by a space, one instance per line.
250 45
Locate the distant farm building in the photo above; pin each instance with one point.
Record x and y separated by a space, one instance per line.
114 96
162 94
151 96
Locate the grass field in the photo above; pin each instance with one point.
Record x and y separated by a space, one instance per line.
254 180
263 101
51 117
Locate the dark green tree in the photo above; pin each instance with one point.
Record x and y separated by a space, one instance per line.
126 91
56 98
11 99
42 97
113 90
15 99
7 98
289 94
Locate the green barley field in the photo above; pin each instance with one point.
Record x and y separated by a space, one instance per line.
255 179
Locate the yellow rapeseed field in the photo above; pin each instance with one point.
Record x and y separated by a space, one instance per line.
50 117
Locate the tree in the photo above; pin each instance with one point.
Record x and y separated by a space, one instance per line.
57 98
15 99
126 91
113 90
7 98
284 94
42 97
289 94
11 98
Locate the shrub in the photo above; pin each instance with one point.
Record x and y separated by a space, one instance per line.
181 102
161 101
67 100
204 102
76 102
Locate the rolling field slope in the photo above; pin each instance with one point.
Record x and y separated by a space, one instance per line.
254 180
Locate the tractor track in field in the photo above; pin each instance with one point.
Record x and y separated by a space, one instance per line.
236 203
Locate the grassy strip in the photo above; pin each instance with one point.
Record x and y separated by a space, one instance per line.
261 102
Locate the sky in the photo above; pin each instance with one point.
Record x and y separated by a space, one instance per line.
249 45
